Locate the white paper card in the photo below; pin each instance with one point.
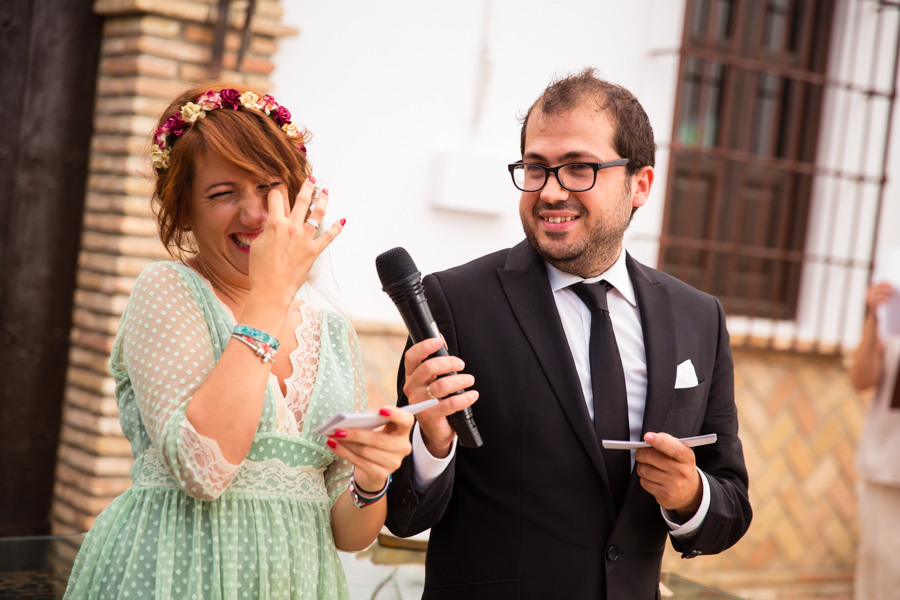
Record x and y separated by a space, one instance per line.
685 376
889 312
345 420
699 440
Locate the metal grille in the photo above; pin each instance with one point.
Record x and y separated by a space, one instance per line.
776 177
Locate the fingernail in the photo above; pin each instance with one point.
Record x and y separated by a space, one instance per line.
470 380
462 365
312 179
343 221
325 191
649 438
331 444
437 342
302 149
340 433
386 412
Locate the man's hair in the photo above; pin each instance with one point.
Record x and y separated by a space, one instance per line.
633 137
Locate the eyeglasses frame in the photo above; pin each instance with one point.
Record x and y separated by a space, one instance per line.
555 170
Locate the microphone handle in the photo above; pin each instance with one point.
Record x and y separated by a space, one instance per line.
417 317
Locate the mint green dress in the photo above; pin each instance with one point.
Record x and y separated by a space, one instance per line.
194 525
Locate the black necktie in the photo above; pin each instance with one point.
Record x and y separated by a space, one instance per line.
608 386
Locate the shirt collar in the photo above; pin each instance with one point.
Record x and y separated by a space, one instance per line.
617 275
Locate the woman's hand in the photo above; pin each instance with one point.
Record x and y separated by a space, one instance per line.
283 255
378 453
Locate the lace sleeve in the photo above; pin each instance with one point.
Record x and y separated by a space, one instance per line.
168 354
337 475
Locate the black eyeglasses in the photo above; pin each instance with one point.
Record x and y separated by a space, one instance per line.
574 177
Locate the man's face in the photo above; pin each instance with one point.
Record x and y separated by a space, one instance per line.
579 232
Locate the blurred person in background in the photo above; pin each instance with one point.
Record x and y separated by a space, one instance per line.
222 374
876 362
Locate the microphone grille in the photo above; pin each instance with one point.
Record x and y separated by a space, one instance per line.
394 265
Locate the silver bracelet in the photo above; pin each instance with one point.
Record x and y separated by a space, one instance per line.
264 351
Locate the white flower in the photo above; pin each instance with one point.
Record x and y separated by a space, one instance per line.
160 157
290 129
190 112
250 100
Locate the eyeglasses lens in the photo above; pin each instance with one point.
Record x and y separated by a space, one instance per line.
576 177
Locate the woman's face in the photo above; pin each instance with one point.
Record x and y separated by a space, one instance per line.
228 210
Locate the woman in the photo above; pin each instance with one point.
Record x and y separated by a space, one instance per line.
222 375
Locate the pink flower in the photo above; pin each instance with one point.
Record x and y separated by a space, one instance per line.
231 98
159 136
282 115
174 125
268 103
302 148
210 100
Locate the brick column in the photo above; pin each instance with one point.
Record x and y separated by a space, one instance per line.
151 51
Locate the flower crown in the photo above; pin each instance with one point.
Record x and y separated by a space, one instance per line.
175 125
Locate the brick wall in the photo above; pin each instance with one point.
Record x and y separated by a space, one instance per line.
151 51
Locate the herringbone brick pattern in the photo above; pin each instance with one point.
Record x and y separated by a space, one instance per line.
800 420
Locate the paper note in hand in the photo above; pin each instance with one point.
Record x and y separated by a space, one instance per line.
345 420
889 312
698 440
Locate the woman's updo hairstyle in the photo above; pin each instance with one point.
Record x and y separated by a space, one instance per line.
247 138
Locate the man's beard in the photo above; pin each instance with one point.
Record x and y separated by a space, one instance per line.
597 250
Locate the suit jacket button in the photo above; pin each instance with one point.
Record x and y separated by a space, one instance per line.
612 553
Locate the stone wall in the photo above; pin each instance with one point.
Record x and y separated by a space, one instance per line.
151 51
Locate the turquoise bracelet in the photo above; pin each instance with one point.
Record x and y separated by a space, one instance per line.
256 334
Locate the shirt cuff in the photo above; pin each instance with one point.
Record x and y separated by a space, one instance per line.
427 467
694 523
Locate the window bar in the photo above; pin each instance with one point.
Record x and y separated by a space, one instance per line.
704 92
753 81
798 101
766 193
835 200
729 82
887 144
863 160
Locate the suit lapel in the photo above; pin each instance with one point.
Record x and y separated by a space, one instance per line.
527 289
658 323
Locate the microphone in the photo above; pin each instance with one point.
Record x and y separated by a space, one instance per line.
403 283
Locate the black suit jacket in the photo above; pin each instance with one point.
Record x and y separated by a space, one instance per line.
529 514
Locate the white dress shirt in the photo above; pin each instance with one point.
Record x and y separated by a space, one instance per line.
576 321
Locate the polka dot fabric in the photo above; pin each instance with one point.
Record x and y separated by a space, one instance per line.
194 525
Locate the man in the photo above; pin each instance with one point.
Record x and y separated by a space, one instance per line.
541 511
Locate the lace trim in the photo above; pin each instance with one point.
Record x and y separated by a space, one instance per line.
304 365
210 468
271 478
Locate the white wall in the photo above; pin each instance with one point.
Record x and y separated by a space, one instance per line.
389 88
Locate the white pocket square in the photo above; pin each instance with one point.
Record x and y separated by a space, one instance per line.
685 376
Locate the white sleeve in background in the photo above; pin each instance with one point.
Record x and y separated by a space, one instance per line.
427 467
683 529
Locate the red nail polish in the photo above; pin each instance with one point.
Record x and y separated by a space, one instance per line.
340 433
331 444
343 221
325 191
312 179
385 412
302 149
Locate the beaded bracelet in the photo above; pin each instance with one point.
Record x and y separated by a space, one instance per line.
362 498
264 351
256 334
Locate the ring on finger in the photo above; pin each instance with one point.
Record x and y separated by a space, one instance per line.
428 391
313 222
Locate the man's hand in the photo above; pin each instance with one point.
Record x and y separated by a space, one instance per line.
423 376
668 470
